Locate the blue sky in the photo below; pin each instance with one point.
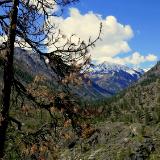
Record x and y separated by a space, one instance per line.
143 17
131 29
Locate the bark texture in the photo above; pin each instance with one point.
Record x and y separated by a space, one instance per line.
8 76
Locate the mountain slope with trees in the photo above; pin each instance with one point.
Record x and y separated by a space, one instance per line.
112 77
139 103
42 119
127 126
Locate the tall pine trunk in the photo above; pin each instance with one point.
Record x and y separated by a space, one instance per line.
8 76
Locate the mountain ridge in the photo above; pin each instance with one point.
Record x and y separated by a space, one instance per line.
113 77
107 79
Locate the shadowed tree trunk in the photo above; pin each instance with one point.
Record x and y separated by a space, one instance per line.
30 22
8 76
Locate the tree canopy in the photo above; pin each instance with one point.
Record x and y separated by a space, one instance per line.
26 24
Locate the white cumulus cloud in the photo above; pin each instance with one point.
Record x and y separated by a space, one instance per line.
115 36
135 59
151 57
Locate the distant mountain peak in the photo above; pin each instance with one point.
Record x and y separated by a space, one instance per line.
107 67
106 78
114 77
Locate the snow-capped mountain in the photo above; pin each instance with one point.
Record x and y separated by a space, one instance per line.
106 79
112 77
108 68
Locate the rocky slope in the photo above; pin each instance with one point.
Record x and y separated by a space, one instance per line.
128 127
116 141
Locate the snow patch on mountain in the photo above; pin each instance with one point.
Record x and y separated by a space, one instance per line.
112 77
108 67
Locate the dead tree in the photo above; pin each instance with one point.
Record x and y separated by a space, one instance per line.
8 75
26 23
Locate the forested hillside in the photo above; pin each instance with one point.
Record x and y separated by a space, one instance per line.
70 88
139 103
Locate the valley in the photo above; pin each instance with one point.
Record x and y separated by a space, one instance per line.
126 112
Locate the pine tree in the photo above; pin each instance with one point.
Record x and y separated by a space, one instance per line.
26 23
